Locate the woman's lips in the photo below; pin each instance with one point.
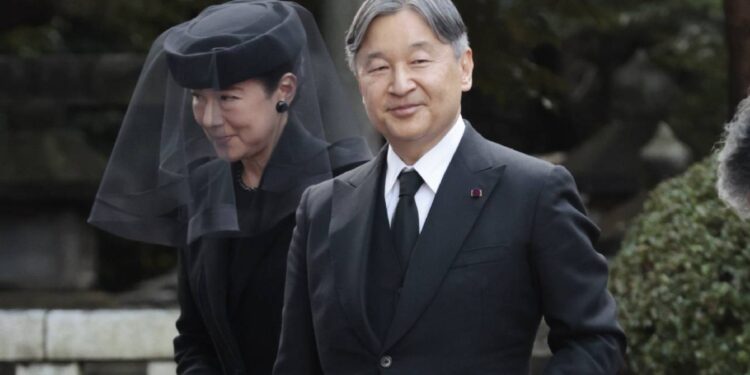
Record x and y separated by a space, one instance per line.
404 110
222 140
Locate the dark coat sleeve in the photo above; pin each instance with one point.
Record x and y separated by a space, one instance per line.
194 352
585 337
298 352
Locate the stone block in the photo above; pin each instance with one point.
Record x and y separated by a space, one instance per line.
48 369
13 73
114 76
71 79
35 114
110 334
49 159
64 77
115 368
161 368
665 154
642 91
22 333
46 251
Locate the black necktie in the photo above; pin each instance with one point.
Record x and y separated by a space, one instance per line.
405 223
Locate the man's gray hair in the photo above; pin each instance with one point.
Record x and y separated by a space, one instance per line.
734 162
441 15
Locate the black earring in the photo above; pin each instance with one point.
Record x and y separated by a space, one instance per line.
282 106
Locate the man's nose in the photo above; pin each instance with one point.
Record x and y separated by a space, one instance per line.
402 82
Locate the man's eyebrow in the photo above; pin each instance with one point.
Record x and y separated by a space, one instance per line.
427 46
374 55
422 45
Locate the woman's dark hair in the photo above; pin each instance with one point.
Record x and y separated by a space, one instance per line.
270 80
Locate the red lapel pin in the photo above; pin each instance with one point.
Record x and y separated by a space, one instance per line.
475 193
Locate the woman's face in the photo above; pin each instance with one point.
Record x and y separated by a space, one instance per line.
241 121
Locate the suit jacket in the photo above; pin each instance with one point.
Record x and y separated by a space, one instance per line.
231 289
483 273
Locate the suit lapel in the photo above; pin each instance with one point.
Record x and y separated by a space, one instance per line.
352 215
449 221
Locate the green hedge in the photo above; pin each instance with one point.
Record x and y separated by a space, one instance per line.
682 281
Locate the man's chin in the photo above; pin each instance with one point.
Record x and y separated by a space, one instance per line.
405 137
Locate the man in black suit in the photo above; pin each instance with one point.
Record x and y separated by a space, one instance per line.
442 254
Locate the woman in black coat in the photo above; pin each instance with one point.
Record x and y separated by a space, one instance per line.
235 114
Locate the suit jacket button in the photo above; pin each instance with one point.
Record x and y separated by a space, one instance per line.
386 361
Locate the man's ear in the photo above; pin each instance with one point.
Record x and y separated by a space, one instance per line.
287 87
466 64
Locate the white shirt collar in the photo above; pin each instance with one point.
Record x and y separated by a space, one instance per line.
432 165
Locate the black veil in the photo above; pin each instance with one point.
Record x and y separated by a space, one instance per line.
165 182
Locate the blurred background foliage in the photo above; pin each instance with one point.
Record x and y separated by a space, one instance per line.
543 67
545 75
681 281
86 26
552 61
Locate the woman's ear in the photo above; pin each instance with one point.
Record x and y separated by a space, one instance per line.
287 87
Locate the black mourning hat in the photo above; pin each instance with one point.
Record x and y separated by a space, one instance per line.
165 182
233 42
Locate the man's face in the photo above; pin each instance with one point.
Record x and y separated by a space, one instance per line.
410 81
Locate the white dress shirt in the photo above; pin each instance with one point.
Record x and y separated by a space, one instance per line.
431 167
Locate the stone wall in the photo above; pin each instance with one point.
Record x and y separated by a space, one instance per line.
111 342
87 342
59 115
